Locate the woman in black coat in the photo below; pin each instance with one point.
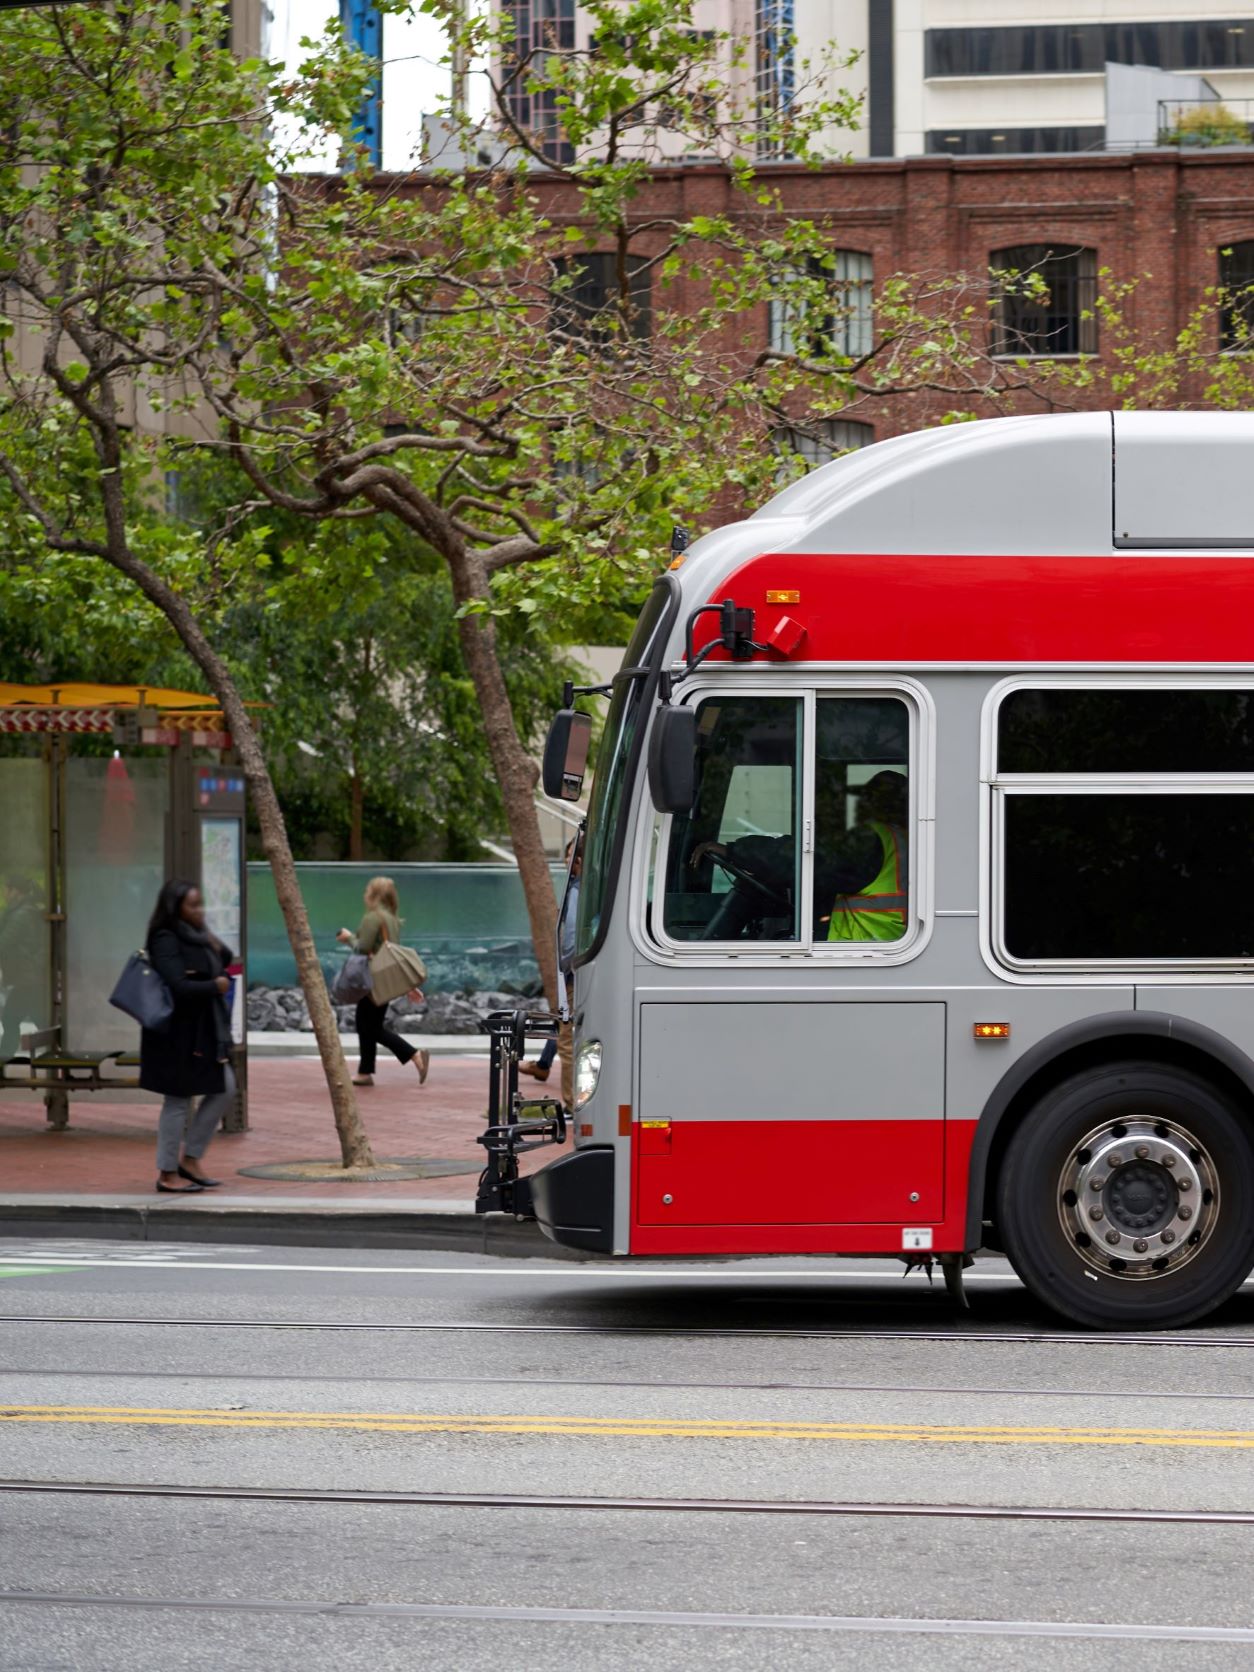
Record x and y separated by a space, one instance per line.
191 1057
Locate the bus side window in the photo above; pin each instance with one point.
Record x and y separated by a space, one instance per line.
861 820
733 863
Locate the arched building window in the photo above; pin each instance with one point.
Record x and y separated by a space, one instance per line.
820 441
843 323
1236 279
1045 302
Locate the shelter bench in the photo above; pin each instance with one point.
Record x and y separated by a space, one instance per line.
42 1065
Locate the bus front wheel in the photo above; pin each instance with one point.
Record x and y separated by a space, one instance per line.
1126 1197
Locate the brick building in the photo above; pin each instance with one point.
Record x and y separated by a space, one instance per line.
1176 221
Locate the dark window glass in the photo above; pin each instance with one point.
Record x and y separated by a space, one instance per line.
1065 48
1128 877
1006 142
591 308
1236 277
540 28
733 869
861 819
607 803
1046 300
1126 731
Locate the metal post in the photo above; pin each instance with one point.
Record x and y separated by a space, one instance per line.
56 1098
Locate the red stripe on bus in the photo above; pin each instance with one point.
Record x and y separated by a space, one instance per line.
800 1187
1133 608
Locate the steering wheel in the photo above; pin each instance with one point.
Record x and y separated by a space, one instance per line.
739 873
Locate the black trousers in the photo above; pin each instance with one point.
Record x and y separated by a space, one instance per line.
373 1031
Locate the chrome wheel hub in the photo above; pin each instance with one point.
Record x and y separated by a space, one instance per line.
1138 1198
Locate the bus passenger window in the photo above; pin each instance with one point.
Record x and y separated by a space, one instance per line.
861 820
733 864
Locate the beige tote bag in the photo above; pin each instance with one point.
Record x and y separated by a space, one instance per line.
394 970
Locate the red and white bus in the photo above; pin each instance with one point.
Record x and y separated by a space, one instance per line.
917 903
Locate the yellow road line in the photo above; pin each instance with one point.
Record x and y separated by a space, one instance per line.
408 1422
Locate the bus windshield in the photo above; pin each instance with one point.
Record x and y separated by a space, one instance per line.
624 726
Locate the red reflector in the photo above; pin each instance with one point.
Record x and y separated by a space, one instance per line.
992 1030
786 635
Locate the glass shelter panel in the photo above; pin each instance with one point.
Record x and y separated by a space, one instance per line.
115 863
25 990
733 870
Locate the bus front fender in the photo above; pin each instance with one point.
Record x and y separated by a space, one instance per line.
1093 1040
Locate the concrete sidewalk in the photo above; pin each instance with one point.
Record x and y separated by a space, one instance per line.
98 1176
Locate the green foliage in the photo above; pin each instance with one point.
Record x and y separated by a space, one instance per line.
1204 125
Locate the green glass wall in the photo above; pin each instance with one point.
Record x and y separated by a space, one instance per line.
25 993
469 922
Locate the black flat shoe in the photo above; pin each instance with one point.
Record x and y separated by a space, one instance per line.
201 1184
179 1189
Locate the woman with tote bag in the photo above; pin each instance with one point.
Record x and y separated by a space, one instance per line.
189 1057
381 928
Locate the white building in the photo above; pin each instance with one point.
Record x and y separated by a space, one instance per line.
963 76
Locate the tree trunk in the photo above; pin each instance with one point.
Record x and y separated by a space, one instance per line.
354 1144
516 774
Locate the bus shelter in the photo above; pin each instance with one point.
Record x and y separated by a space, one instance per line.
106 790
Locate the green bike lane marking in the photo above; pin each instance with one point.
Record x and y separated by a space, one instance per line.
34 1271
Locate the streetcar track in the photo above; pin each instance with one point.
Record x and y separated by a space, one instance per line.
1095 1338
661 1385
670 1619
682 1506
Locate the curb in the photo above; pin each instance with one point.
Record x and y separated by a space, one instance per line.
453 1229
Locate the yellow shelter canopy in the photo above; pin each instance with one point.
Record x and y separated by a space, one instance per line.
72 695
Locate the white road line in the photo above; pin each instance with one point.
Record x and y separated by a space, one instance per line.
631 1273
1130 1632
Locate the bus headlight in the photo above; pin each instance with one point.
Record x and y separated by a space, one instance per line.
587 1071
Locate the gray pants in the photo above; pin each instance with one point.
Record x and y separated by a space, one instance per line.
176 1117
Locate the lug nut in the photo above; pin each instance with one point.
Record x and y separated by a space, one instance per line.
1112 1237
1169 1160
1142 1151
1184 1184
1186 1213
1169 1236
1096 1213
1114 1160
1139 1246
1096 1184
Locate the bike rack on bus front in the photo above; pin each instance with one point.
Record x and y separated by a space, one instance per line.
515 1123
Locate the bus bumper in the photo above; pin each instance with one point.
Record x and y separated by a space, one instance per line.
573 1200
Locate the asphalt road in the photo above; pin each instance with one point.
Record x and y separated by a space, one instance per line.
392 1460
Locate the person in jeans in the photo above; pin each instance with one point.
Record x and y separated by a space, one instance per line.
190 1058
381 922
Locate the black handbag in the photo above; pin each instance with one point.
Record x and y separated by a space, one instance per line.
352 980
143 995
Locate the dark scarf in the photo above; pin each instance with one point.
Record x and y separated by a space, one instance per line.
191 936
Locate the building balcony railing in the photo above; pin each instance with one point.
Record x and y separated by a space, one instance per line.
1198 124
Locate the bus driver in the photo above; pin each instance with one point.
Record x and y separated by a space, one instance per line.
862 871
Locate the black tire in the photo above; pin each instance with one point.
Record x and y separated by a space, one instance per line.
1040 1233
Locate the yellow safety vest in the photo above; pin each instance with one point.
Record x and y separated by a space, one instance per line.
879 913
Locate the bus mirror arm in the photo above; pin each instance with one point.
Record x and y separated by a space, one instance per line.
735 636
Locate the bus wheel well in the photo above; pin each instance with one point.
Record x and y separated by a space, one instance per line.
1095 1053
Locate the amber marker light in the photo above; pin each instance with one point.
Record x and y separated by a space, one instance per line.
992 1030
783 597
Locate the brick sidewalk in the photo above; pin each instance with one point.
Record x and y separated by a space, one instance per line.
110 1147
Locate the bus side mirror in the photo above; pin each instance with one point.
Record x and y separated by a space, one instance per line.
673 760
566 754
